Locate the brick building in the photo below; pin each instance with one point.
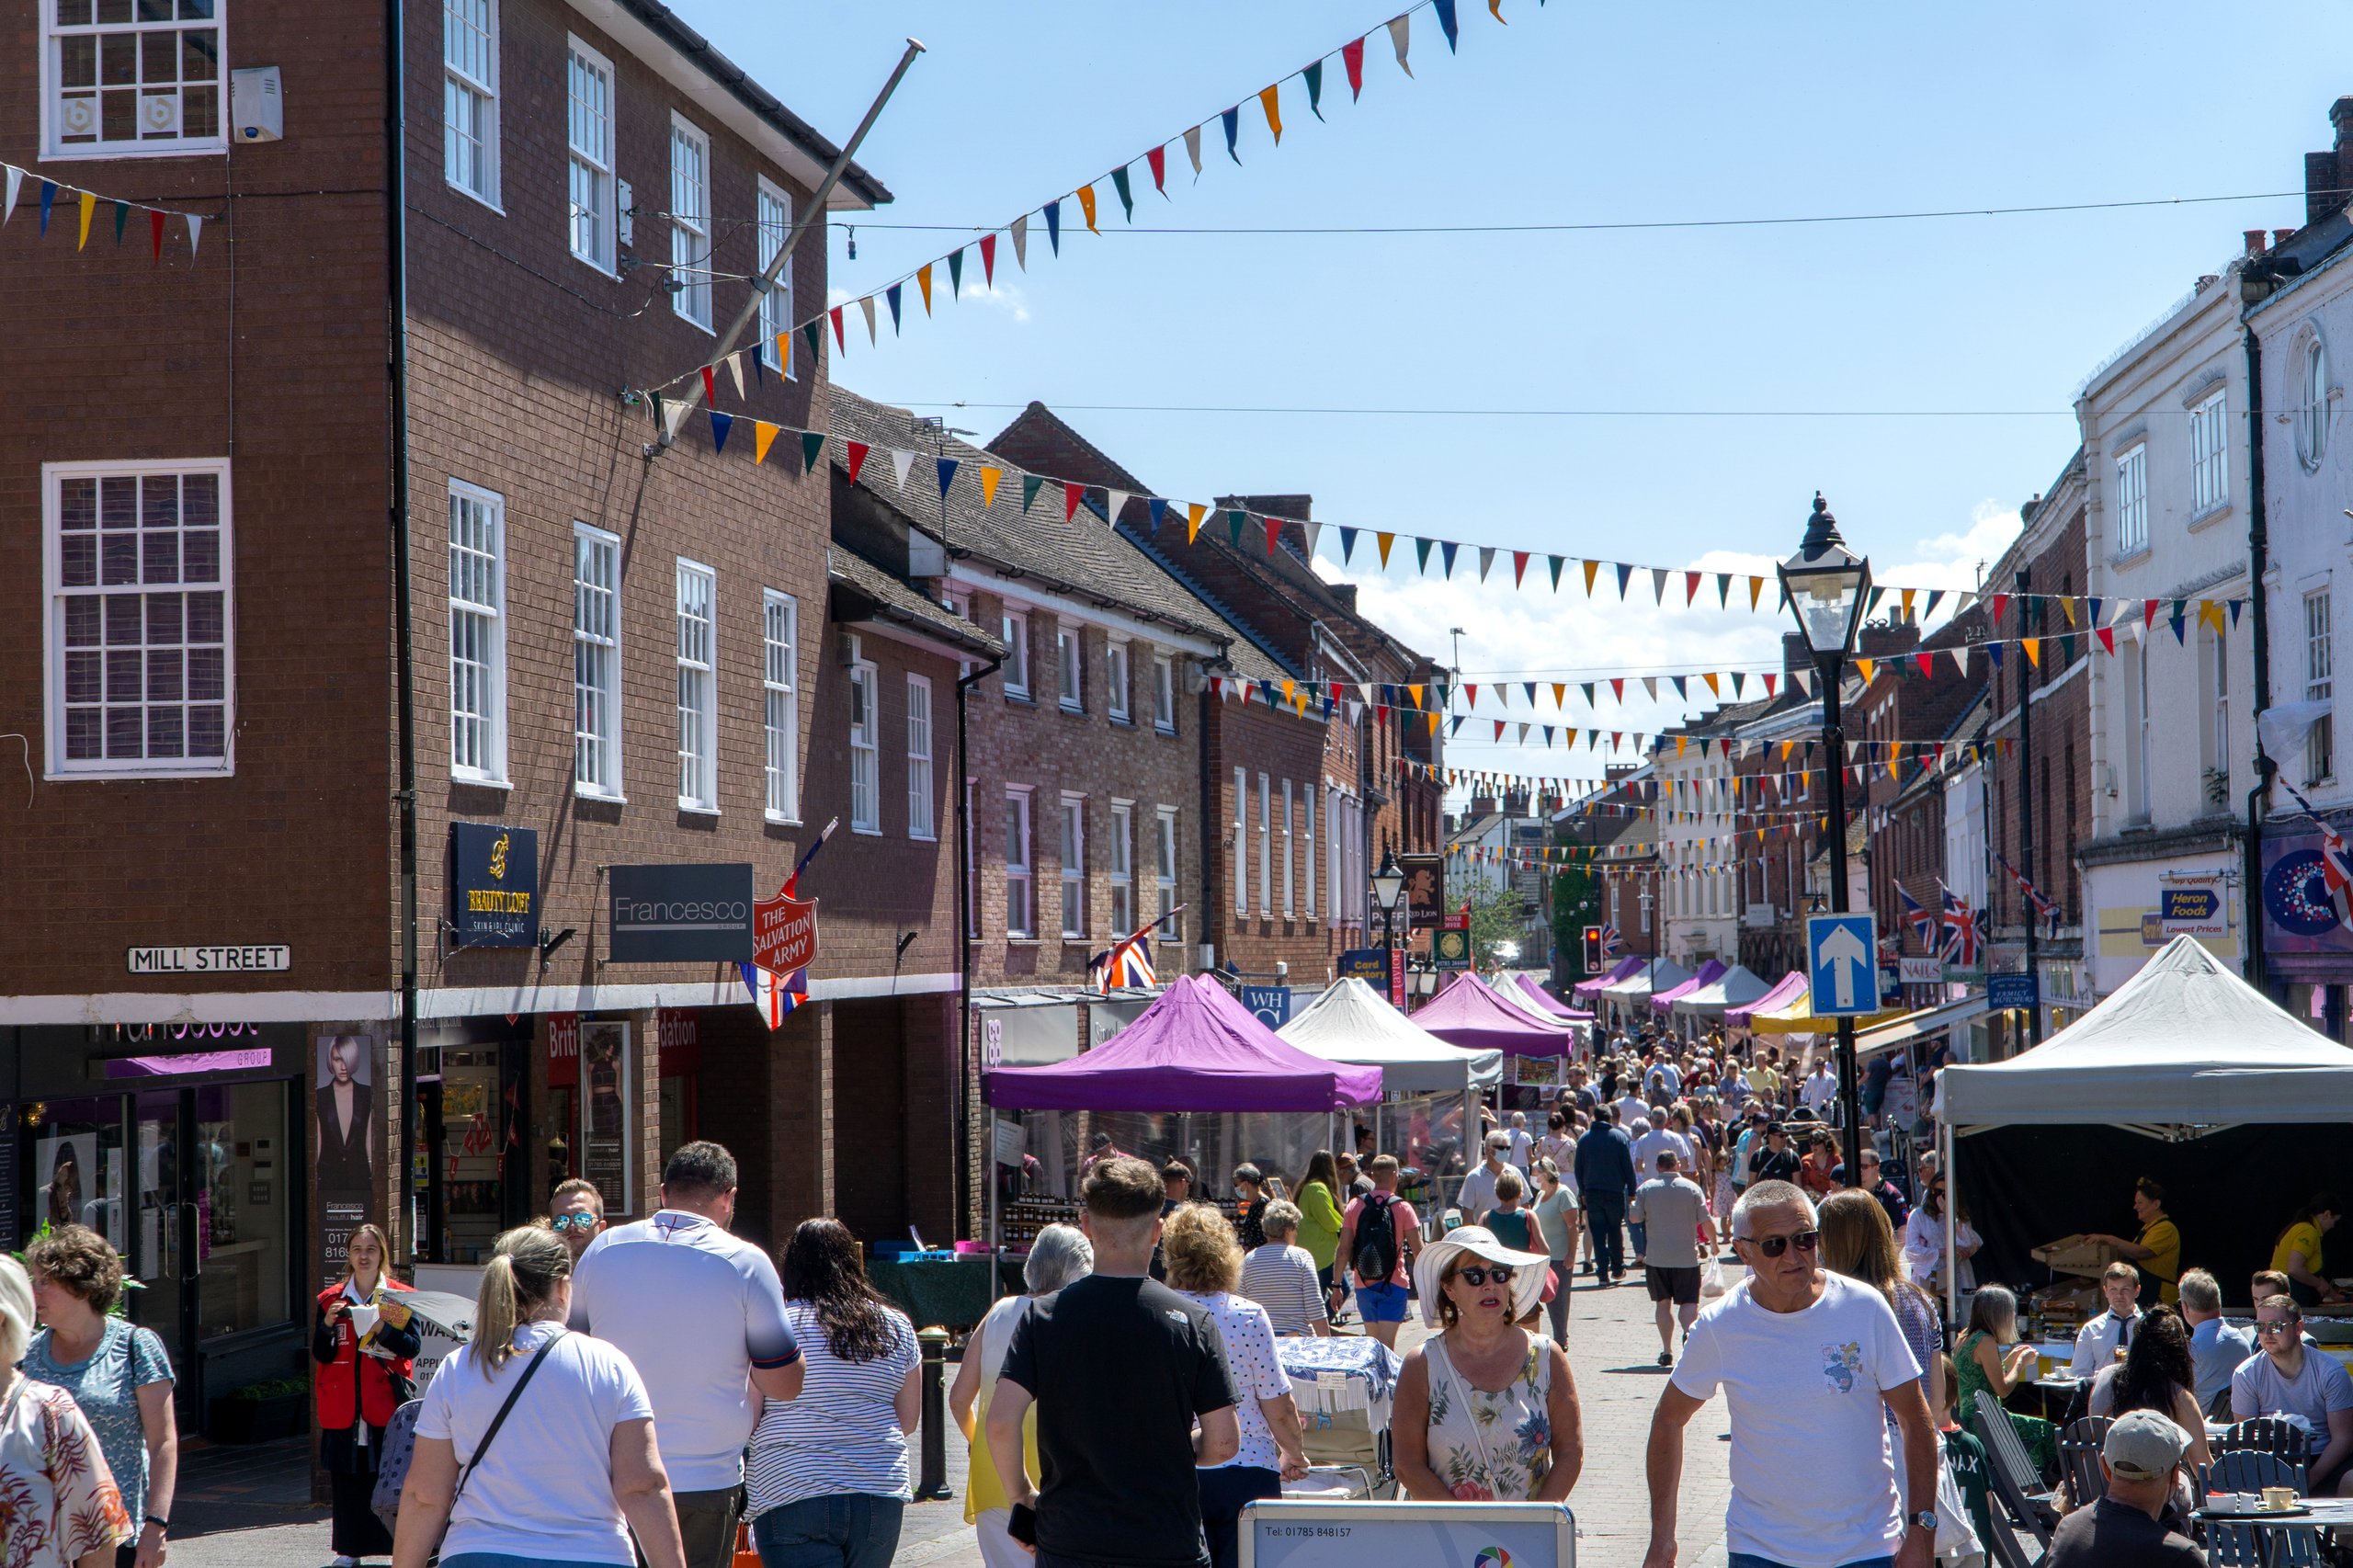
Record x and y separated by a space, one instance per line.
1913 720
588 639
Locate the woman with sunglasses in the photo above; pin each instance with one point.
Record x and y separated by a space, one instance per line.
1486 1412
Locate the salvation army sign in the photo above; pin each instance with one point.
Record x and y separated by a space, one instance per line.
784 932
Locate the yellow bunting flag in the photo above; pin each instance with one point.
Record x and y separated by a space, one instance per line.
1559 694
763 437
1291 690
1416 693
89 205
923 281
1678 745
1087 205
2033 646
2068 606
1709 677
784 351
1755 586
989 476
1590 568
1271 101
1907 602
1384 540
2210 612
1866 665
1193 510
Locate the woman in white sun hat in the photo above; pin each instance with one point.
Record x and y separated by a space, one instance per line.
1486 1412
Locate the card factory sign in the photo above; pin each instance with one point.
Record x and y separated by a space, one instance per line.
253 958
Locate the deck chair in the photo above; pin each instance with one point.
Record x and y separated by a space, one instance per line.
2023 1498
2079 1447
2249 1470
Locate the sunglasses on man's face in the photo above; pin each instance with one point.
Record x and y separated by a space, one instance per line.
563 1222
2281 1327
1774 1246
1475 1276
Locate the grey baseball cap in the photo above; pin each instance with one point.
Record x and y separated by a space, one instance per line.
2143 1446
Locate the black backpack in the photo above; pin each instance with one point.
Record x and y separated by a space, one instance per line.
1376 1257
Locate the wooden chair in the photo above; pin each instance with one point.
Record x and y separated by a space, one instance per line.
2021 1491
2269 1435
2079 1449
2244 1545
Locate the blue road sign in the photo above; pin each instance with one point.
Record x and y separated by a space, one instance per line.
1841 964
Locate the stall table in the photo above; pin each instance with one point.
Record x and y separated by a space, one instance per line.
946 1293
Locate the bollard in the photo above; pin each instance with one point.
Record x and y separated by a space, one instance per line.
933 1485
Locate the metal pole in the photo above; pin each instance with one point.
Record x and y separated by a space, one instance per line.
934 1482
1834 759
732 339
2026 815
2258 565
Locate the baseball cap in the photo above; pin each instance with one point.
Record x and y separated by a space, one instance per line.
2143 1446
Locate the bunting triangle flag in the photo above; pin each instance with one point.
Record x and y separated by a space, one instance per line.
16 181
841 344
955 280
1591 567
1658 585
736 369
1019 230
2033 649
2106 635
1114 502
1314 76
1193 512
1401 32
988 259
195 231
89 204
865 308
1125 192
1073 492
1352 58
814 330
1384 542
1446 549
1421 550
1314 534
1053 213
1446 22
1234 517
1193 150
1158 161
855 451
947 468
1625 576
1866 665
1649 688
900 463
1158 507
813 446
1755 586
1486 559
1690 587
1270 100
1348 544
1518 567
1232 121
1960 660
1030 484
1274 531
1087 211
720 424
923 282
763 437
989 477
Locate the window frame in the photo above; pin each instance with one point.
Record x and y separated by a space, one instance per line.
781 700
2311 423
2320 685
1123 869
1016 673
1308 790
775 302
455 78
1266 845
2133 500
2210 453
586 537
492 771
1021 872
1241 840
1290 877
693 276
1165 851
923 810
603 176
1070 844
1163 693
55 149
706 801
57 766
1070 667
1116 669
864 677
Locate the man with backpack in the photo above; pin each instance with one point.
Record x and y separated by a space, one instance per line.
1379 1236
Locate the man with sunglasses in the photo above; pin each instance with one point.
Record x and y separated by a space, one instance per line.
2290 1377
576 1214
1807 1361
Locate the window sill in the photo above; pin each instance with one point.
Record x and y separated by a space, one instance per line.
703 326
2199 522
1168 729
777 818
609 797
2132 558
1121 720
479 780
1023 698
202 148
1019 939
696 809
1072 709
57 775
861 832
598 267
477 198
923 838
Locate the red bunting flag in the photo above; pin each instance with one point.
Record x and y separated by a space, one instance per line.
1519 566
2148 615
1999 601
988 259
1352 56
1274 528
2106 635
855 452
1618 689
839 345
1158 159
709 389
1690 587
1071 491
1926 662
155 233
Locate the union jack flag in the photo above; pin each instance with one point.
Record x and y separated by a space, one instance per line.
1612 944
1960 930
2335 860
1128 962
1922 919
2045 908
775 994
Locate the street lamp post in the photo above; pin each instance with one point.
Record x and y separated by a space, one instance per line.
1388 887
1828 587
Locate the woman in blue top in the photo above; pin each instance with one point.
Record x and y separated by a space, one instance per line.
827 1480
119 1375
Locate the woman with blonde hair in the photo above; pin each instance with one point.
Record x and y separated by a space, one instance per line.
58 1501
364 1349
579 1475
1857 1242
1059 1254
1205 1263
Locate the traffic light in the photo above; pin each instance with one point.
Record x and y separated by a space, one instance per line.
1593 950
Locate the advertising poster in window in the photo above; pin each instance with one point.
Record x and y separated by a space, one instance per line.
605 1079
344 1152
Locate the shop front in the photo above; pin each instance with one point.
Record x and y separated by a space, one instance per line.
2307 950
2137 906
189 1149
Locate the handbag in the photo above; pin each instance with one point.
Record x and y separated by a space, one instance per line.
1957 1541
400 1448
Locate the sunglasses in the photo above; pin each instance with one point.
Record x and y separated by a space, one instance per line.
563 1222
2283 1326
1774 1246
1475 1275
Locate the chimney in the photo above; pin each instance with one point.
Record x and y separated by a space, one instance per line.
1516 802
1482 806
2328 176
2281 236
2253 238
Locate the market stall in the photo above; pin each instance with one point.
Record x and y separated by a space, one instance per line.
1734 987
1526 989
1429 1087
1626 994
1663 1001
1472 1014
2185 1073
1587 990
1791 988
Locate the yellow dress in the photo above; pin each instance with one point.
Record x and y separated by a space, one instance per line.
983 1489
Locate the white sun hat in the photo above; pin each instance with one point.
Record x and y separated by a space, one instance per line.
1530 1269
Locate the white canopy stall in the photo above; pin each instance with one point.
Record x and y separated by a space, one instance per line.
1636 990
2183 1050
1737 987
1351 1023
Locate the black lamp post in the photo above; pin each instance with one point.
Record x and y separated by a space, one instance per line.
1388 887
1828 587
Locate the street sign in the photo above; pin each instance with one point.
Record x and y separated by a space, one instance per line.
1368 964
1270 1005
1450 948
2192 908
1929 970
1839 962
2003 992
1397 978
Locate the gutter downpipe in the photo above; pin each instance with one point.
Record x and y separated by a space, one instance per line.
963 918
2258 563
404 686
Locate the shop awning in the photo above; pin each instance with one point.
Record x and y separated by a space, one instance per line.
1709 972
1729 990
1351 1023
1914 1026
1790 988
1197 1048
1619 972
1471 1014
1799 1017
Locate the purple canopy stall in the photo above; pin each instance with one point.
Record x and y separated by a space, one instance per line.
1196 1049
1709 972
1471 1014
1624 967
1550 1004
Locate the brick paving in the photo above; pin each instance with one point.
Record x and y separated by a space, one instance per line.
249 1508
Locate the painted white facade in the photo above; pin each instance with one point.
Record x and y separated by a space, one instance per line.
2171 739
1696 861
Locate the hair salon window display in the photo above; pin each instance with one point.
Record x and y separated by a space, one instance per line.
365 1344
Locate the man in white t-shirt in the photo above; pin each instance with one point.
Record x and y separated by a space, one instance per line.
1819 1091
1806 1362
1521 1142
700 1314
1478 1194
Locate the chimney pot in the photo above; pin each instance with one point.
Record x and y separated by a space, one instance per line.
2281 236
2253 238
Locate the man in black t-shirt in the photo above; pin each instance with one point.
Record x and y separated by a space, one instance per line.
1120 1368
1777 1161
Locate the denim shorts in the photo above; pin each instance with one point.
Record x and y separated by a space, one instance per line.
1383 1303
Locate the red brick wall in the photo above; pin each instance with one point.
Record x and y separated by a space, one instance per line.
1285 748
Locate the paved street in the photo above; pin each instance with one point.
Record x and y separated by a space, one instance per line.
249 1508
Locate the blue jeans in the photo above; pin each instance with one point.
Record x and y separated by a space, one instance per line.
842 1529
1749 1560
1604 1208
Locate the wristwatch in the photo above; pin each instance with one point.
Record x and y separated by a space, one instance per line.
1926 1519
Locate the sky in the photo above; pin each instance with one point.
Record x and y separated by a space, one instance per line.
1672 396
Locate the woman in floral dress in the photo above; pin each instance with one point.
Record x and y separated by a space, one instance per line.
1486 1412
59 1507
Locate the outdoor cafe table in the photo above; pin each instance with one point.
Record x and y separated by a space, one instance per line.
2325 1514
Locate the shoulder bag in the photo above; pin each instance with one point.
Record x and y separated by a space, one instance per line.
400 1447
